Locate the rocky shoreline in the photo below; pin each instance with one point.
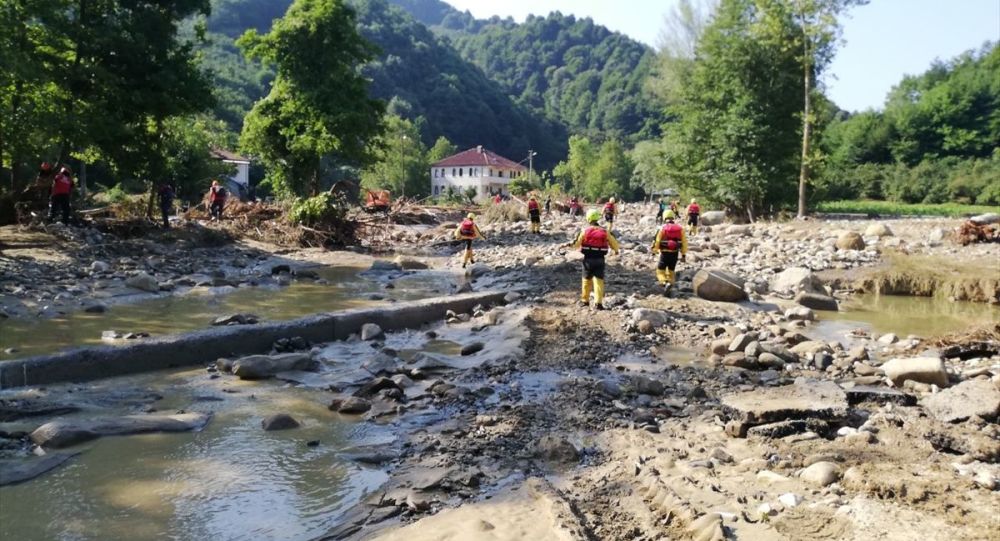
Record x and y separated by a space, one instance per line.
664 417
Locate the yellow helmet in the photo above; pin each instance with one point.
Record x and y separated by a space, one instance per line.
471 216
593 215
668 215
531 197
612 200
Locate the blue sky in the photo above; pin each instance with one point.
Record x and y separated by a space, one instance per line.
884 39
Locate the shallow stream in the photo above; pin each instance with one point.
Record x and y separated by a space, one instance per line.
196 308
925 317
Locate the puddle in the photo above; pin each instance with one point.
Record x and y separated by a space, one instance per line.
230 481
921 316
196 309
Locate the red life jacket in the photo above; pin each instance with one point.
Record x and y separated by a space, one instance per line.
595 239
467 229
693 208
62 185
670 237
609 208
218 194
532 205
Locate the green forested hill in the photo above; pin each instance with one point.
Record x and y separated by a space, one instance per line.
571 70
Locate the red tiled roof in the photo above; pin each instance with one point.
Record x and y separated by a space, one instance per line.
223 154
479 156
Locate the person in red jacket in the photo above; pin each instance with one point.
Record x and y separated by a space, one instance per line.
62 188
610 211
535 213
217 200
693 211
670 242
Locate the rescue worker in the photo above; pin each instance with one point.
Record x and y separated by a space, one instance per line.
670 241
574 207
166 194
609 212
535 213
661 206
468 231
594 241
675 207
62 187
548 205
217 200
693 211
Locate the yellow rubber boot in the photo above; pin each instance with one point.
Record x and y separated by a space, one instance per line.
661 276
585 294
598 292
671 276
468 258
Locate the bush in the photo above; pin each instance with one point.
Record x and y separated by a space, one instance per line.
510 211
324 208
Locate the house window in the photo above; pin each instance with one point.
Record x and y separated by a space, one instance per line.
459 171
435 173
491 171
470 171
452 171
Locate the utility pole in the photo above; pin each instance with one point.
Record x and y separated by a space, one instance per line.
531 159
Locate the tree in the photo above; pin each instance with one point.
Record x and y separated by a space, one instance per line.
737 125
318 106
400 160
815 35
572 173
442 149
611 173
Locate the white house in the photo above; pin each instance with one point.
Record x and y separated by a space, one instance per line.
486 171
242 176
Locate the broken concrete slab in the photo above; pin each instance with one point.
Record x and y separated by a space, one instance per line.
63 433
880 395
19 470
975 397
804 399
266 366
963 439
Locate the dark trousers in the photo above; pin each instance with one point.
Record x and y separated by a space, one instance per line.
693 219
668 260
59 203
535 216
165 211
593 267
216 209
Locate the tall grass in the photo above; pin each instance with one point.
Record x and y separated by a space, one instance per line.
903 209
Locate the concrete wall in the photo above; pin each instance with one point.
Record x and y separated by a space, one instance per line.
203 347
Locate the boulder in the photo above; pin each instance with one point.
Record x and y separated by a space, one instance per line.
648 386
371 331
266 366
796 279
719 285
556 449
878 230
279 421
478 269
100 266
96 309
66 432
235 319
712 217
817 301
351 405
472 349
986 219
971 398
936 236
821 474
928 370
143 282
281 268
18 470
850 240
656 318
800 313
407 263
380 363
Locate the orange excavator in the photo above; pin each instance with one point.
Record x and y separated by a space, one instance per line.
377 201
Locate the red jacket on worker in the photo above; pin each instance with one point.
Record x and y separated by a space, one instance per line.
532 204
670 237
62 184
595 239
693 208
217 193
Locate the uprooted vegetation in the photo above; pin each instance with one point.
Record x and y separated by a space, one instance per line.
929 276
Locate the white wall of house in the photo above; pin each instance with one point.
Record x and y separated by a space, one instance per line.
485 179
242 175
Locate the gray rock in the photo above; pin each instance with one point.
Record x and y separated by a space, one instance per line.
279 421
720 346
143 282
407 263
472 349
18 470
351 405
817 301
96 309
100 266
380 363
741 341
800 313
878 230
371 331
478 269
928 370
936 236
235 319
770 360
880 395
971 398
381 265
712 217
266 366
821 474
647 386
797 279
63 433
811 347
986 219
850 241
656 318
719 285
556 449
